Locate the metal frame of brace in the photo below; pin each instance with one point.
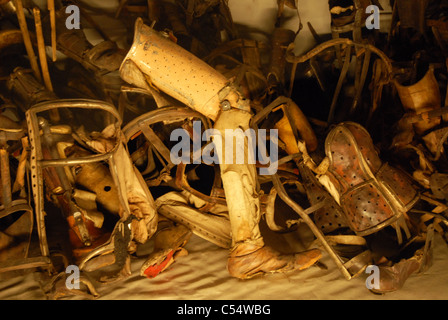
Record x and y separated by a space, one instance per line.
38 163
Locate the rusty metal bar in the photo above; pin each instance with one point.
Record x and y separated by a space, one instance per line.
304 216
27 39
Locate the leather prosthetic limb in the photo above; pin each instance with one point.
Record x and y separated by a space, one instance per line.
156 61
418 98
249 256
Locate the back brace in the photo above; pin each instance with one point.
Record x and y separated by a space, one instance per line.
372 194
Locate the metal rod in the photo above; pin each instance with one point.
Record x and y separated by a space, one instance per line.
5 178
54 113
342 76
71 162
319 235
50 5
41 50
27 39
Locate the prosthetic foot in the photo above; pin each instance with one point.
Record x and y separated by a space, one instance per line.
248 260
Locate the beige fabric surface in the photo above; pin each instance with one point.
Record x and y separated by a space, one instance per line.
202 275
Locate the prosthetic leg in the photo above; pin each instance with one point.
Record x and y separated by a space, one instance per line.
156 61
249 256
